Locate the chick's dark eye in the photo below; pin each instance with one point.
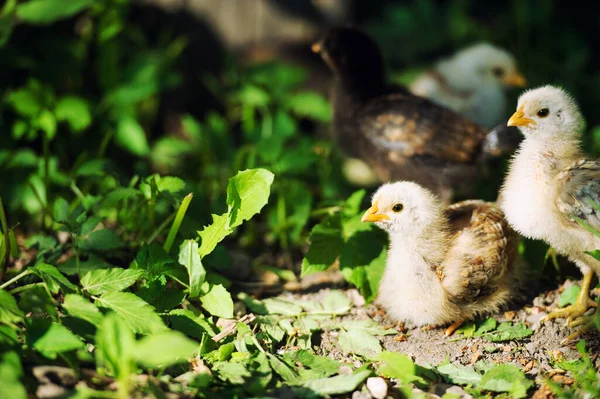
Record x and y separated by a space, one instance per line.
498 72
397 208
544 112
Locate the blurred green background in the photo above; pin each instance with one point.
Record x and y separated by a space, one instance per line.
95 96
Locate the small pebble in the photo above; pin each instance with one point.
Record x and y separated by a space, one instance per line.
377 386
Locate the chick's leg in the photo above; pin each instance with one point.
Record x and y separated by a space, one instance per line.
583 303
453 327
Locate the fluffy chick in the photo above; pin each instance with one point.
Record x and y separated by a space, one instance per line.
445 264
472 83
399 135
551 185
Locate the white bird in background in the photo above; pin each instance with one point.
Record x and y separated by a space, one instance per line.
552 192
445 264
472 83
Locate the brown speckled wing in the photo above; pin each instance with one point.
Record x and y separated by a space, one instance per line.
412 126
482 250
579 193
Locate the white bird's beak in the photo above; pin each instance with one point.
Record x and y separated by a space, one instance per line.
372 214
515 79
518 118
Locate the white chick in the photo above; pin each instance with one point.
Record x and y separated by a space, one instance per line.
445 264
551 186
472 83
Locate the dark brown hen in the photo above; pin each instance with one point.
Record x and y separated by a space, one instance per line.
402 136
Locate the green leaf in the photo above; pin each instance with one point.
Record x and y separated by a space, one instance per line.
569 296
190 258
247 192
311 105
213 234
164 349
488 325
467 329
75 111
596 252
289 375
369 325
188 323
253 96
131 136
116 279
396 365
136 313
339 384
281 306
11 373
93 262
217 301
506 378
78 306
462 375
366 278
25 102
325 246
233 373
336 302
52 339
315 366
49 11
60 209
509 332
359 342
46 121
115 343
53 277
101 240
9 311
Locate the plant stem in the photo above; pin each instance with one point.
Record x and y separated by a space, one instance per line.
15 278
104 144
76 251
177 222
46 149
162 226
5 231
25 287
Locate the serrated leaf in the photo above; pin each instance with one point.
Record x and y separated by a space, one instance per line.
506 378
48 11
488 325
325 246
213 234
459 374
247 192
217 301
9 310
52 339
339 384
101 240
136 313
164 349
359 342
336 302
569 296
116 279
75 111
53 277
508 332
114 346
189 257
78 306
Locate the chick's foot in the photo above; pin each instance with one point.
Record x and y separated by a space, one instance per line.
574 312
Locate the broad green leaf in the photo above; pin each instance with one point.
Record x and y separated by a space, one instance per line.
93 262
94 167
488 325
49 11
115 344
311 105
188 323
162 298
253 96
190 258
369 325
467 329
217 301
136 313
396 365
101 240
42 242
169 184
359 342
336 302
25 102
53 277
315 366
131 136
116 279
289 375
280 306
52 339
46 121
60 210
11 373
9 311
247 192
457 374
213 234
509 332
339 384
75 111
325 246
233 373
366 278
164 349
569 296
506 378
154 261
78 306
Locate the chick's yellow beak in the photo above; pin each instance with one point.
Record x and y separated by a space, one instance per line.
515 79
372 215
518 118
